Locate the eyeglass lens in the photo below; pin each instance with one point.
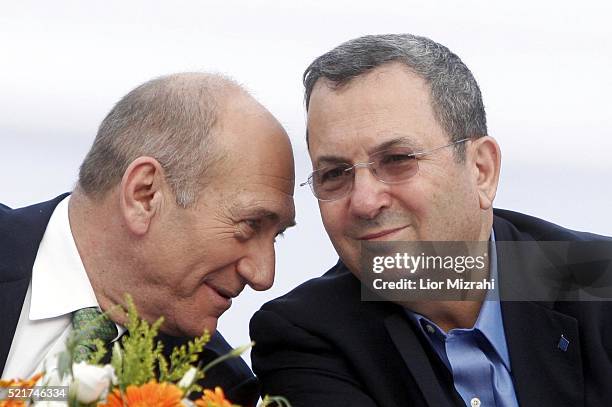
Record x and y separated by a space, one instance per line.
389 166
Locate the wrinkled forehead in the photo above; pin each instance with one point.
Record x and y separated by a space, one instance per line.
373 147
367 114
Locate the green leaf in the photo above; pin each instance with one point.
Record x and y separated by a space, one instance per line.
99 353
274 401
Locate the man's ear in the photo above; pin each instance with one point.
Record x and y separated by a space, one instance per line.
141 193
486 157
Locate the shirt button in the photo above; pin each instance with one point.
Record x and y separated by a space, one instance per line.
475 402
430 328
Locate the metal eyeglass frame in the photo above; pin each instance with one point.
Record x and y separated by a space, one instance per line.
368 165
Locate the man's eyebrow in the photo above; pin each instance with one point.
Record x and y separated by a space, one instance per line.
266 213
405 141
331 159
287 226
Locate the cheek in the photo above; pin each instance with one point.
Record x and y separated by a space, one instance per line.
415 199
333 216
204 264
430 205
223 257
336 221
451 210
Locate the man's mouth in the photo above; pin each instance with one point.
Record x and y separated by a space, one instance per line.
225 292
221 296
382 233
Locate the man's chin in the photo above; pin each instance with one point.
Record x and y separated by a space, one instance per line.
191 330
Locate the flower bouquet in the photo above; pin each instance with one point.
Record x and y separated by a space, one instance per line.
138 374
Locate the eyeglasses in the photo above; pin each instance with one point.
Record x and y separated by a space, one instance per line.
391 166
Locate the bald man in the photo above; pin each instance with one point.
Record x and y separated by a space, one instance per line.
187 184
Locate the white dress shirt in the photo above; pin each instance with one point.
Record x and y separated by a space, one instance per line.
59 286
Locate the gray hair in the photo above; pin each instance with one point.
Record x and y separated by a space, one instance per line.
171 119
456 99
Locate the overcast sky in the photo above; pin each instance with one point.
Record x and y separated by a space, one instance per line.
543 68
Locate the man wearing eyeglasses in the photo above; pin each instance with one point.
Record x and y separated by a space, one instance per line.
400 151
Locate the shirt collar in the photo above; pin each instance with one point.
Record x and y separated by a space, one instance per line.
59 281
489 321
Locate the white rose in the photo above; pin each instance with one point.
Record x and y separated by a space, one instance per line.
188 378
90 382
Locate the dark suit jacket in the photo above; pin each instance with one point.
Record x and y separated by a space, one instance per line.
21 231
321 345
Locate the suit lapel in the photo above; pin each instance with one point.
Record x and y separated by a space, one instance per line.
544 374
21 231
11 301
415 358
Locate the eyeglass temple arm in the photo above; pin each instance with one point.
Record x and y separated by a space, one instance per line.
441 147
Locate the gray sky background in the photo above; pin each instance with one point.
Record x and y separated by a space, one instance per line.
543 68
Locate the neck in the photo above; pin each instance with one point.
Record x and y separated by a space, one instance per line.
459 314
95 230
448 314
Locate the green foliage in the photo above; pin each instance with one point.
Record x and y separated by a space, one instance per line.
64 362
274 401
137 357
183 357
117 356
136 363
181 360
99 353
140 358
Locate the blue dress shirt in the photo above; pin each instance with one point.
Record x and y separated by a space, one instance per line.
477 357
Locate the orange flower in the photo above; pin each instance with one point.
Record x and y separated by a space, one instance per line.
152 394
25 383
21 383
12 403
213 399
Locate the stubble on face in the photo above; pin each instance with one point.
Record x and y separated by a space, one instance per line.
438 203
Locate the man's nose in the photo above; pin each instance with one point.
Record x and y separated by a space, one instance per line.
257 267
369 195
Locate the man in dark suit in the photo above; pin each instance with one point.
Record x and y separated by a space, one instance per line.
398 141
178 203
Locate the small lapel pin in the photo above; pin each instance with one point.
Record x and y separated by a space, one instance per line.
563 343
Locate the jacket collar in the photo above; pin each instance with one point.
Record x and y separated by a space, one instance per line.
543 373
21 231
